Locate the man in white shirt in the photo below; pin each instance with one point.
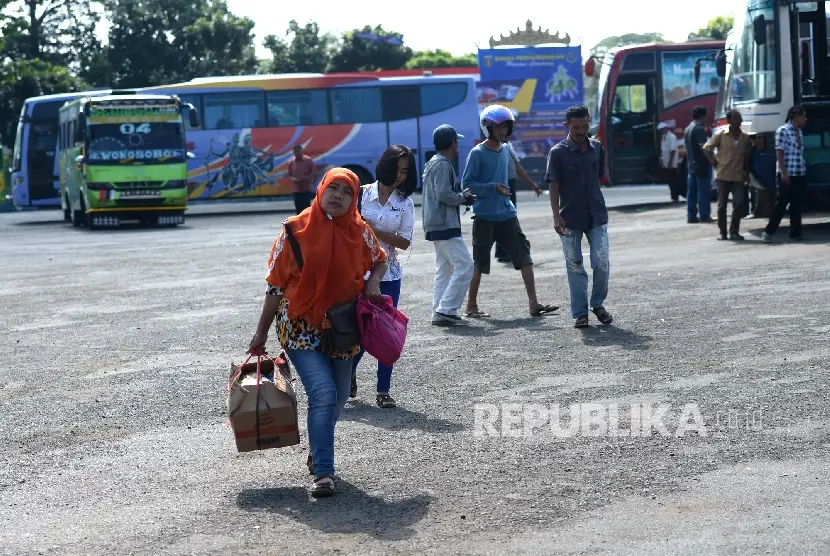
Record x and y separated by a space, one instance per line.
669 160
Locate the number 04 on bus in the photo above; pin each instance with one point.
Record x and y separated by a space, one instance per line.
124 157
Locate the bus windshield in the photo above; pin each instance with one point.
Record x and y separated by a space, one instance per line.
755 67
136 143
604 72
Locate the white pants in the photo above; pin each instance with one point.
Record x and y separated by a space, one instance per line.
453 272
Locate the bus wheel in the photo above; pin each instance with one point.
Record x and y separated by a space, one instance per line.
78 216
67 211
364 176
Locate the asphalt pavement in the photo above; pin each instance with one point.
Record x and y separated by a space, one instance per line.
115 350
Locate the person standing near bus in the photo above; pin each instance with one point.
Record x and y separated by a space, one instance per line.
575 167
791 174
441 217
731 165
387 207
495 215
514 170
699 183
301 172
669 159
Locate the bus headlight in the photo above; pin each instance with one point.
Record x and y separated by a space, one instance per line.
175 184
101 186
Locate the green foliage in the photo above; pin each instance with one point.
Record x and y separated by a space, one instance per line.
305 51
358 54
428 59
716 29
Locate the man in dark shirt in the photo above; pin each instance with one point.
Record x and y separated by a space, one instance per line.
699 184
574 169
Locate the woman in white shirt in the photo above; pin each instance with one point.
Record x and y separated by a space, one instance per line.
387 207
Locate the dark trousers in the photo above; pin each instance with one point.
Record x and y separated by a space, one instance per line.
736 188
302 200
792 194
392 289
500 252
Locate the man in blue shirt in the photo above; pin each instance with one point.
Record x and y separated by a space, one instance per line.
574 168
495 214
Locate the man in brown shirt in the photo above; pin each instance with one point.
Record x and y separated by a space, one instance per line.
731 170
301 172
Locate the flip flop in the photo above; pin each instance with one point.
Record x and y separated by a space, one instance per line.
544 310
478 315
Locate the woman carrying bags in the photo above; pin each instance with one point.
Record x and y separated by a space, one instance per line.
387 208
318 265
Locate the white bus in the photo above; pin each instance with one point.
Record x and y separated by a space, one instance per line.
776 56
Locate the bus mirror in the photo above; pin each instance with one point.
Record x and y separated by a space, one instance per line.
193 114
79 161
759 29
697 70
590 67
720 64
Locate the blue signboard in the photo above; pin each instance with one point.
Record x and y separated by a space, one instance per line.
539 84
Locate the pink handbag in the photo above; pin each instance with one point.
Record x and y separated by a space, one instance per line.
382 329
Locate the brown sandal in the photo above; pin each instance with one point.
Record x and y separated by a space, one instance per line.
603 315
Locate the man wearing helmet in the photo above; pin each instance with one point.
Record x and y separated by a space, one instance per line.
575 166
495 218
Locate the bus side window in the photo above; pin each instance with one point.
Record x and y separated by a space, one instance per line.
437 97
356 105
298 108
233 110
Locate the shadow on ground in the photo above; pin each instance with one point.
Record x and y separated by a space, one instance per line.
615 336
349 511
392 419
817 232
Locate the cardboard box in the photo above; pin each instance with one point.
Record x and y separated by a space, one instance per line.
264 417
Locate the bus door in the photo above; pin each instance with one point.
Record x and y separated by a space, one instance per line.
401 112
633 127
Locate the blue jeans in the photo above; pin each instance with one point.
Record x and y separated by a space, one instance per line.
326 382
698 194
578 276
393 290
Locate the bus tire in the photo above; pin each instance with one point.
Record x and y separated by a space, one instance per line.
67 209
362 174
78 216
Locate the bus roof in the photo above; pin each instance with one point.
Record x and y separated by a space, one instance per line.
66 96
268 82
663 47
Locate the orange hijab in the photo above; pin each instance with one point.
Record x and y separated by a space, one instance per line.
333 249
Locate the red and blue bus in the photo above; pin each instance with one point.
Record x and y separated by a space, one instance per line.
249 125
642 86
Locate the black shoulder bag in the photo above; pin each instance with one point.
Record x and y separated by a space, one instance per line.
343 333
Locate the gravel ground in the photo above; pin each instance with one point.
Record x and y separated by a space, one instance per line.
115 352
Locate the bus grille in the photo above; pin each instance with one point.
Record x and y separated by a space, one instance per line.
137 184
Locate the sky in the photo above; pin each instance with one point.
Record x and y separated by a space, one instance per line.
458 26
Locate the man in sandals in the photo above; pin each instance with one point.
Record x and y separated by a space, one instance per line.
575 167
495 214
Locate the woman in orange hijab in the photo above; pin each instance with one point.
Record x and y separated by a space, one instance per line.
337 248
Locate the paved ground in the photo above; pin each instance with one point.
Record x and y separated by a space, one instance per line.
115 349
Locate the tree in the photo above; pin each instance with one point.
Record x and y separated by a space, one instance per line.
55 31
21 79
307 51
370 49
220 43
716 29
427 59
156 42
